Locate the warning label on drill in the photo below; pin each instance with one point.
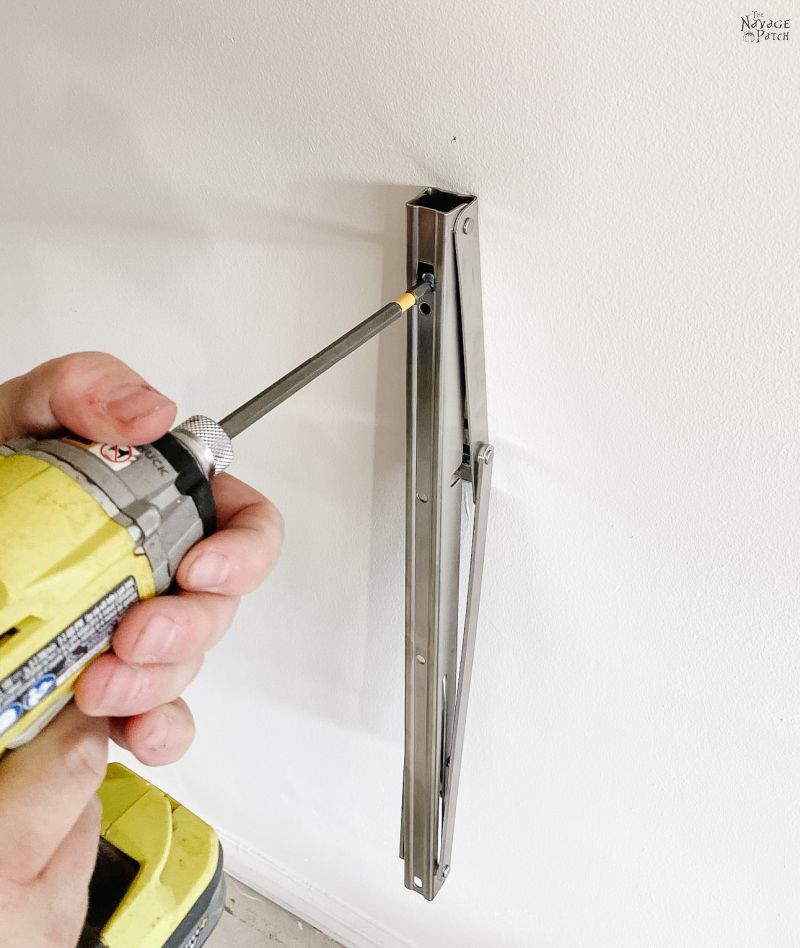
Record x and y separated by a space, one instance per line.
115 456
68 652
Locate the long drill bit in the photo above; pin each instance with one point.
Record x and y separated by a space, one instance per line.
258 406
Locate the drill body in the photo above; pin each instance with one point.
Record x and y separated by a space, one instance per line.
86 530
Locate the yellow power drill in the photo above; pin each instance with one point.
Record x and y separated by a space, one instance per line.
86 531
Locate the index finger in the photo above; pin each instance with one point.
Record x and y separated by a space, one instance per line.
45 786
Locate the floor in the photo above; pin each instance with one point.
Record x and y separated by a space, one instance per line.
251 921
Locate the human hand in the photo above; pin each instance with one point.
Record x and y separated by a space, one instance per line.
49 830
158 647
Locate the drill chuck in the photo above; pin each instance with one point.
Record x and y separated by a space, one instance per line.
209 443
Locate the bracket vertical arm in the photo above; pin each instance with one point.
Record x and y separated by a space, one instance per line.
448 456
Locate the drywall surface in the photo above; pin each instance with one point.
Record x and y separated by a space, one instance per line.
215 190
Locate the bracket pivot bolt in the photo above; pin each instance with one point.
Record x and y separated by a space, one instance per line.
469 223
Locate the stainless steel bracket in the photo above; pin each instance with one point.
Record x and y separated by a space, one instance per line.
449 465
449 471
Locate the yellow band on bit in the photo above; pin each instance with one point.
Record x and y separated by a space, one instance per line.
406 301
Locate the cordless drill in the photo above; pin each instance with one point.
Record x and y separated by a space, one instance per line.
87 530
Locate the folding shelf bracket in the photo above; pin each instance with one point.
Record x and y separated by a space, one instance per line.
448 478
449 464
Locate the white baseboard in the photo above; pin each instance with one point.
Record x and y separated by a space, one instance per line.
324 911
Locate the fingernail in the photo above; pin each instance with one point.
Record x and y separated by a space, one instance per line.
123 687
158 733
209 571
155 640
132 401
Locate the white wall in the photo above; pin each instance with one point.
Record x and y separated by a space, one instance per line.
214 190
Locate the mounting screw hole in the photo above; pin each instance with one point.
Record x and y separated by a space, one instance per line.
422 498
421 659
425 309
418 882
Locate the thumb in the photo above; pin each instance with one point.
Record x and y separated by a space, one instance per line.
91 394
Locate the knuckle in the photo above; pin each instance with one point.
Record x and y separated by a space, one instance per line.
85 757
66 369
188 621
